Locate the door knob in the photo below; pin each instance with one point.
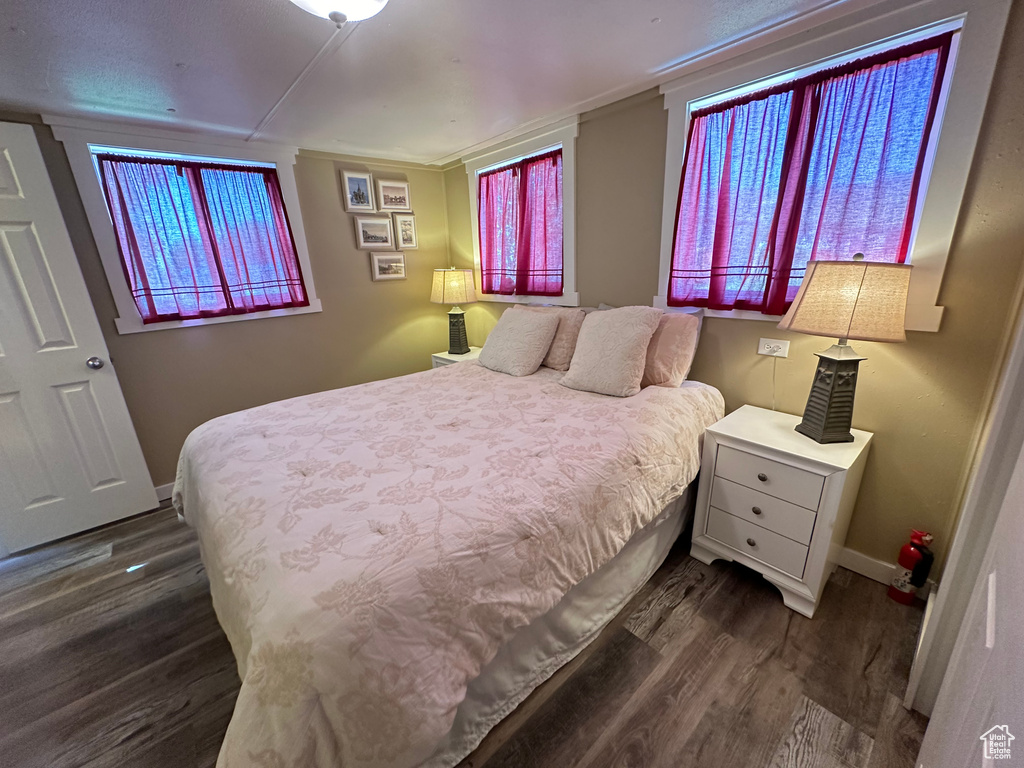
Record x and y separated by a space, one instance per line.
94 363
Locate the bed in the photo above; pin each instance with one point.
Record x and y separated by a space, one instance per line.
398 564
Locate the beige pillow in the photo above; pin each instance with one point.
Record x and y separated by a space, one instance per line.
671 350
562 346
518 343
611 351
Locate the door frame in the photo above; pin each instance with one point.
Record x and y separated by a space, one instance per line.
1001 443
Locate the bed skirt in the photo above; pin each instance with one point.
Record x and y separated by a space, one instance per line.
543 646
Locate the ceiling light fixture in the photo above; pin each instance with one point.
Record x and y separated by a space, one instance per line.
340 11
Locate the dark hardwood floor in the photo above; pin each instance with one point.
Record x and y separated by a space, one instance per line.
110 655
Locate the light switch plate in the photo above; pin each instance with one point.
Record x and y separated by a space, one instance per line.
773 348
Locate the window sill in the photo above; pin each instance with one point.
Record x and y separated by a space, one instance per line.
565 300
919 317
741 314
126 325
661 302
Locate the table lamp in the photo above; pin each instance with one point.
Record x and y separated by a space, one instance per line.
852 300
454 286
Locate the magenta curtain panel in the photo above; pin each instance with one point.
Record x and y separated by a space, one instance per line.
819 168
498 213
520 226
201 239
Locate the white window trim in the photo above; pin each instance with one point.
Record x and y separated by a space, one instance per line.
78 136
960 125
564 133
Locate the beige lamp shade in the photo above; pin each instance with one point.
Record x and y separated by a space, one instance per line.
851 300
453 286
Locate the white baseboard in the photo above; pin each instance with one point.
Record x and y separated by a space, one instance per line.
876 570
163 493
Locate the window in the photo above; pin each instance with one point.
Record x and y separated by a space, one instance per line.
520 226
817 168
523 211
201 239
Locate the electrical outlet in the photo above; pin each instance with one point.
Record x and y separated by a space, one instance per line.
773 348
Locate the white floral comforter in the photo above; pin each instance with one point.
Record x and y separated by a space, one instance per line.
370 548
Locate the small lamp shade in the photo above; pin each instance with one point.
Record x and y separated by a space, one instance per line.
453 286
851 300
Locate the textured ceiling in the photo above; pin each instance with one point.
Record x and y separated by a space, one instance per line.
424 80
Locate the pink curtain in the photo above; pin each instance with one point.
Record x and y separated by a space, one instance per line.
201 240
498 213
520 225
820 168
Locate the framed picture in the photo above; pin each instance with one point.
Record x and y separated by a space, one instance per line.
405 230
374 233
393 195
388 266
358 191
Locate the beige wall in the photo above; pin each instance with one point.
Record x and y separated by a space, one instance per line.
924 399
174 380
620 167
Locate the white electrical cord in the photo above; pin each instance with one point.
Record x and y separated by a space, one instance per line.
775 365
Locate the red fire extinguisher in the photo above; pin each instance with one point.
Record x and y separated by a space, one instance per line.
912 568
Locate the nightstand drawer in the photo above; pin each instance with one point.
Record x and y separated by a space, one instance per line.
780 480
766 511
757 542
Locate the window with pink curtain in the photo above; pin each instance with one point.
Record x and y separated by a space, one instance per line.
201 239
819 168
520 227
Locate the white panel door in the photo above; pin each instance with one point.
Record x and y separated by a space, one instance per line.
69 456
978 718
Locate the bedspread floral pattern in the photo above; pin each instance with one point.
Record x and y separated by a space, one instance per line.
370 548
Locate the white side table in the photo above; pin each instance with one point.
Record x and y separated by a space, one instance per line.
776 501
445 358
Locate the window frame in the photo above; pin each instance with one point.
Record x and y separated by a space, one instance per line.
562 134
947 166
82 139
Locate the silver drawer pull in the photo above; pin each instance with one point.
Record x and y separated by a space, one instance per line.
762 477
756 510
751 542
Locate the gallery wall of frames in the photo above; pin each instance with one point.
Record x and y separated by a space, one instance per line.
384 222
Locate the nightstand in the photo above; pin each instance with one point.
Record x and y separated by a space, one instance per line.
776 501
445 358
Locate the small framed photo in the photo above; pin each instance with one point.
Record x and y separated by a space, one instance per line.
358 191
393 195
374 233
388 266
405 231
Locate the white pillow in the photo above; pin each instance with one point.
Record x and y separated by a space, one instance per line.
611 351
570 320
518 343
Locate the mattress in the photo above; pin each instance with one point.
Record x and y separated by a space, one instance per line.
371 549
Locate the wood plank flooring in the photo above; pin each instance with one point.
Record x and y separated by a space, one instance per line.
110 655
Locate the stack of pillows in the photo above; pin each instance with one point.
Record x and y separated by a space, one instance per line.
611 352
